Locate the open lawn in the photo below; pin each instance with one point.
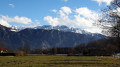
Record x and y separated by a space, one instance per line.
59 61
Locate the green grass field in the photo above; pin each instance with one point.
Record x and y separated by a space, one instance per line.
59 61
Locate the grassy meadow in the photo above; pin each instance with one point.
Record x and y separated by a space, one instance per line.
59 61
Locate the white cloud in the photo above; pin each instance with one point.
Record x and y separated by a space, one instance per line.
51 20
103 1
6 20
17 19
81 17
65 0
87 13
11 5
54 10
4 23
94 30
82 21
85 17
57 21
63 18
65 10
35 23
61 13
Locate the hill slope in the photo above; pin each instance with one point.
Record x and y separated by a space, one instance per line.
41 38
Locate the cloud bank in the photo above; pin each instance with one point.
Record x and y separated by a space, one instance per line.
6 20
81 17
17 19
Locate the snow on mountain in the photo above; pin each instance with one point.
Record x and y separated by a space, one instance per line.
49 27
17 28
41 38
62 28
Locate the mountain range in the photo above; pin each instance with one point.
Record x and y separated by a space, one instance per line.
50 27
45 36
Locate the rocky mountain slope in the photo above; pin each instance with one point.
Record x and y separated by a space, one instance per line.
43 38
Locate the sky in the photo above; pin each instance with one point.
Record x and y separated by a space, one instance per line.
72 13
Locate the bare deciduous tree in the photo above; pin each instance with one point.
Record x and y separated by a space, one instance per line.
110 21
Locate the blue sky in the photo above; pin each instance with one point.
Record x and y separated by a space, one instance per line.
73 13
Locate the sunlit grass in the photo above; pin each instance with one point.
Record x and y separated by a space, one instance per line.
59 61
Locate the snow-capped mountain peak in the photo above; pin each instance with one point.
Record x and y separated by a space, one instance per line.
62 28
17 28
50 27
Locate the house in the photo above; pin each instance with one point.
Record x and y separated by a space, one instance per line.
3 50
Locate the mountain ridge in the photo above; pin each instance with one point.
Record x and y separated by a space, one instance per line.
50 27
41 38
